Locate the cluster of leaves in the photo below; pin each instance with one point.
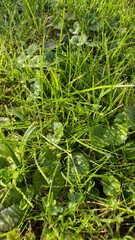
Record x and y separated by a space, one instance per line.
73 178
70 73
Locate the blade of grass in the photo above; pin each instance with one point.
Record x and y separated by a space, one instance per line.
11 152
112 87
34 20
26 135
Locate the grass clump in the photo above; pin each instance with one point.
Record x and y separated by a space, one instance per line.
67 120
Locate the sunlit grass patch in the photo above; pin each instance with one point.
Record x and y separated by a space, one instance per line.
67 120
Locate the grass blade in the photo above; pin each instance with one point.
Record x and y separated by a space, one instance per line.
11 152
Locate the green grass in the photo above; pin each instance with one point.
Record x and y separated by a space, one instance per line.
67 120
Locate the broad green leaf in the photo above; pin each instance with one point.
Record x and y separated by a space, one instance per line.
32 49
49 57
73 196
120 119
57 128
76 28
57 133
34 62
130 114
5 175
98 137
82 39
115 135
78 40
48 172
121 126
111 135
58 23
4 121
3 162
81 162
58 182
29 61
9 218
94 24
34 90
13 197
47 157
130 150
111 185
39 181
45 166
50 45
79 166
129 192
55 210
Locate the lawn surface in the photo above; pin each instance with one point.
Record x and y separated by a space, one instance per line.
67 120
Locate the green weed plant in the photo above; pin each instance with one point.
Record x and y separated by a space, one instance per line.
67 120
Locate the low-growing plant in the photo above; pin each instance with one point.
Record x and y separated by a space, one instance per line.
67 120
